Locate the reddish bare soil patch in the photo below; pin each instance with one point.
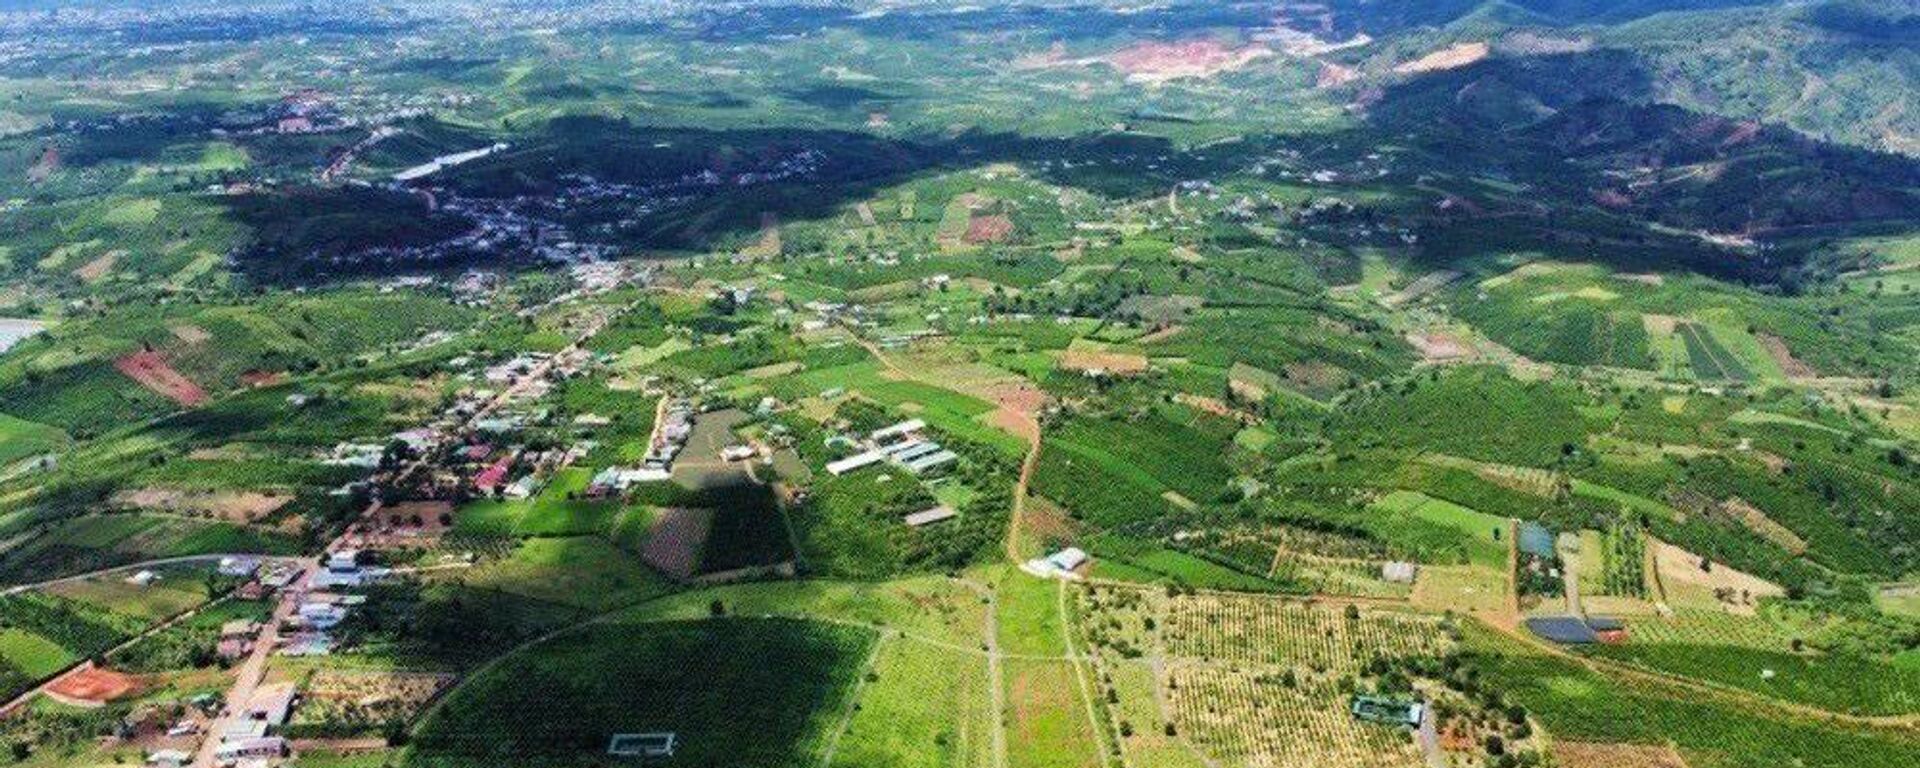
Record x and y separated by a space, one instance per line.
1742 132
1055 54
1332 75
1160 62
1576 754
1614 199
1314 375
988 229
1794 367
150 369
1019 396
675 541
1450 57
423 516
1161 335
93 687
258 378
92 271
1438 347
1756 520
45 166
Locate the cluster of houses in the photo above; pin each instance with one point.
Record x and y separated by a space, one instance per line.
901 444
254 735
670 435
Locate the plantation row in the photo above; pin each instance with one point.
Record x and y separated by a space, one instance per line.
1262 719
1290 633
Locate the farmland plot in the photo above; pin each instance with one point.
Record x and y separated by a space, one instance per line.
736 693
1255 630
1247 681
1258 720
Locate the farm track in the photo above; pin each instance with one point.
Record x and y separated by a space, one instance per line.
16 589
1029 425
853 702
1080 672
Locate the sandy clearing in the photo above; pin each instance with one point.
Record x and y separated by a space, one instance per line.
236 506
1451 57
191 334
1681 575
1116 363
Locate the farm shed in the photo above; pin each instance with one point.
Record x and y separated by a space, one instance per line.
647 745
1399 572
854 462
1566 630
1375 709
903 428
931 515
930 461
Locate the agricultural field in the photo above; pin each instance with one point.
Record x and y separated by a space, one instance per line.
800 674
1105 385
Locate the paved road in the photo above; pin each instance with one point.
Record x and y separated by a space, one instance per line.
254 669
250 673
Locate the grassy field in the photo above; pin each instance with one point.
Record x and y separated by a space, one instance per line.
583 571
33 654
1048 725
924 707
1480 536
